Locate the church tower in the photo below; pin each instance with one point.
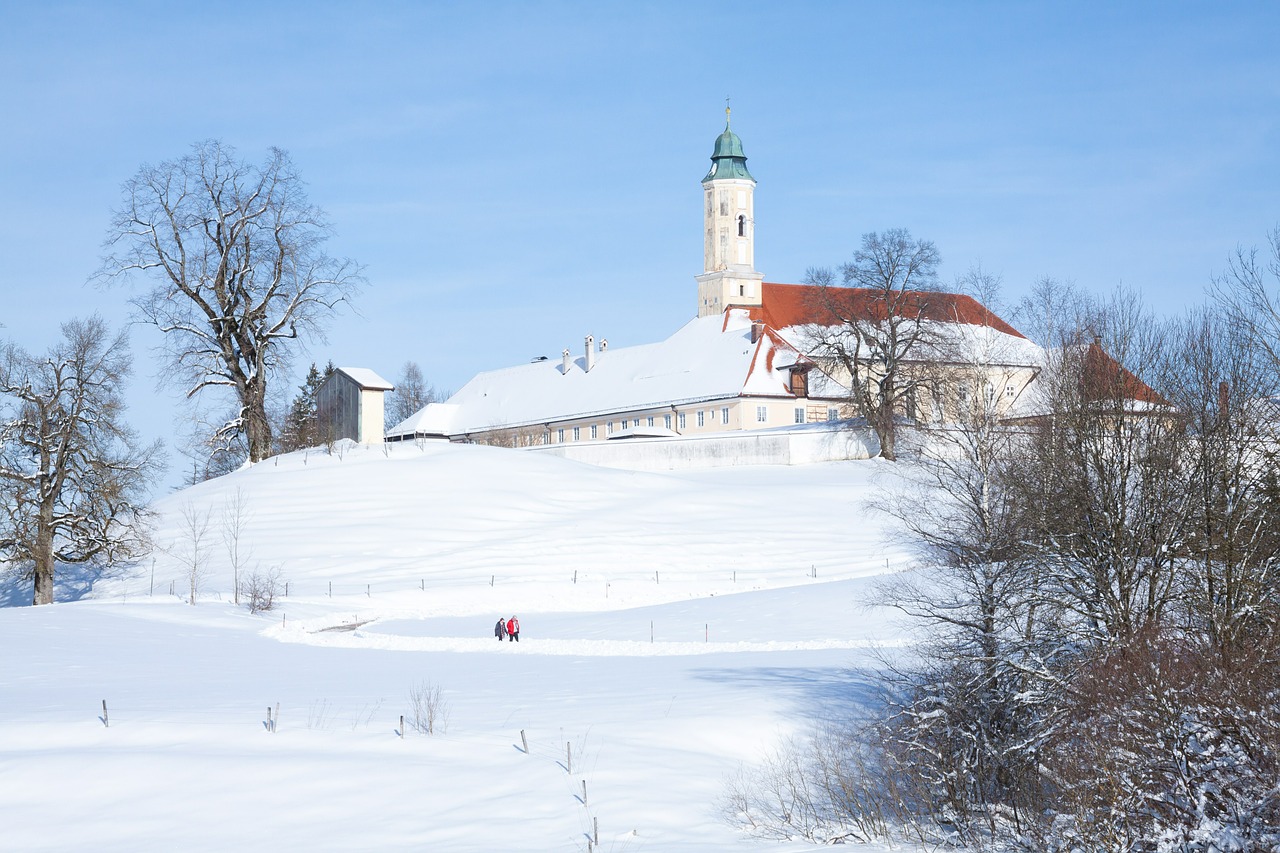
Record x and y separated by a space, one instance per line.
729 276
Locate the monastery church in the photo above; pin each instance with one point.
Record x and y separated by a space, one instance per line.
738 370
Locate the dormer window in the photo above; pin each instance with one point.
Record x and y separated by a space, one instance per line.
799 383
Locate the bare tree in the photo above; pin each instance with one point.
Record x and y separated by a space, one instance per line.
1250 291
75 475
235 515
191 546
411 394
237 253
1225 391
874 325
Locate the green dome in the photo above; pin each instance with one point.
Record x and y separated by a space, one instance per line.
727 160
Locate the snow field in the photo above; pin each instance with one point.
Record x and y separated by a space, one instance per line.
654 728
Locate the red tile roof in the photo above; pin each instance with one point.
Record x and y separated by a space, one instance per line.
800 304
1104 379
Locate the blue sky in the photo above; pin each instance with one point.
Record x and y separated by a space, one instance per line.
517 175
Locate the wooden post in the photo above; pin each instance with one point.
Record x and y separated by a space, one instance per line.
706 632
331 589
651 630
568 757
105 719
270 725
595 829
584 792
575 575
424 584
524 740
367 594
655 578
735 575
402 727
491 577
286 589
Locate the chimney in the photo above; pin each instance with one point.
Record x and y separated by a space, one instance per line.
591 352
565 356
604 345
757 331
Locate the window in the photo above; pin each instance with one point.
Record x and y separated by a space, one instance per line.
595 431
546 437
742 225
702 418
681 421
636 422
762 414
833 414
799 415
799 383
560 436
1008 390
666 421
724 416
577 433
724 204
608 428
650 420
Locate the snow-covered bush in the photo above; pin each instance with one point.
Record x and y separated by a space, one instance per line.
1169 746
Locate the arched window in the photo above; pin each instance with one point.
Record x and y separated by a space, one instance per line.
742 225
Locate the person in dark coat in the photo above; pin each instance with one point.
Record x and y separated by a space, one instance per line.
500 630
513 629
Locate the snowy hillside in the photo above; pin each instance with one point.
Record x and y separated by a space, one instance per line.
674 628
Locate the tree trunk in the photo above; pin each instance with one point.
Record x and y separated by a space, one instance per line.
257 426
885 432
44 557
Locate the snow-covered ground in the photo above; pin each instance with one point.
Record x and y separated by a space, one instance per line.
675 627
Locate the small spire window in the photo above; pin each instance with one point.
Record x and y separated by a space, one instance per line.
742 225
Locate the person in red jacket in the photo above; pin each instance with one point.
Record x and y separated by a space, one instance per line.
513 629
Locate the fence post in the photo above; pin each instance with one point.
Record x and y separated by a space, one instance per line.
524 740
402 727
105 720
568 757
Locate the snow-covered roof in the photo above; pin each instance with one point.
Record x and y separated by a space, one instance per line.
366 378
710 358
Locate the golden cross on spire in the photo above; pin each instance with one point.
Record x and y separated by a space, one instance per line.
726 111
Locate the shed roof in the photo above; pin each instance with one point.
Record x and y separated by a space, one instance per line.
366 378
